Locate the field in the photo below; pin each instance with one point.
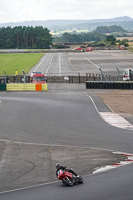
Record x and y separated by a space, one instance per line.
130 44
123 38
20 61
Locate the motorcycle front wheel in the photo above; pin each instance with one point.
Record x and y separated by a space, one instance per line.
67 181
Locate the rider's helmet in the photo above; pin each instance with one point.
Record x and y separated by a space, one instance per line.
57 165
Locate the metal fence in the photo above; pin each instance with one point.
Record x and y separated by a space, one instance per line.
62 78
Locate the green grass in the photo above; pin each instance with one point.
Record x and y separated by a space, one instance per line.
20 61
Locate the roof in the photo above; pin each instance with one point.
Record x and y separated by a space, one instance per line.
38 75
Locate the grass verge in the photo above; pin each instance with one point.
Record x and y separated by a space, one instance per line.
20 61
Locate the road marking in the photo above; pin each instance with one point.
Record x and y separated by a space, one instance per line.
113 119
59 65
49 65
24 188
128 161
116 120
93 104
40 62
92 63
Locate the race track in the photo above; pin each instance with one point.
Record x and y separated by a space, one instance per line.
85 62
67 115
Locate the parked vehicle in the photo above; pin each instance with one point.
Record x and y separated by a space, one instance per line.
68 178
128 74
79 49
37 78
31 75
122 47
89 49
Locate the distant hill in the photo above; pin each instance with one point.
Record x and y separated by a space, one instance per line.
125 22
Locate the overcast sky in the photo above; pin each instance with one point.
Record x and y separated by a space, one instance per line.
27 10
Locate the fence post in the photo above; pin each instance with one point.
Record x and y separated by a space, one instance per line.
86 76
118 74
5 76
69 79
79 77
101 74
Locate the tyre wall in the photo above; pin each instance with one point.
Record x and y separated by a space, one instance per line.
109 85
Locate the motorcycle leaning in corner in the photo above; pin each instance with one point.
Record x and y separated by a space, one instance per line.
69 178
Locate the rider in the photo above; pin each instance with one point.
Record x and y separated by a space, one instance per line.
58 167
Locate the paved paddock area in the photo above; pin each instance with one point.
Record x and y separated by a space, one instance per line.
107 60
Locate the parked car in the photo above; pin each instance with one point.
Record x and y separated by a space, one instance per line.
31 75
37 78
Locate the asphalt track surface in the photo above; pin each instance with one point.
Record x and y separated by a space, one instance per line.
48 118
85 62
69 117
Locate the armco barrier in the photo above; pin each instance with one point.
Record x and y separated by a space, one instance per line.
26 87
109 85
2 87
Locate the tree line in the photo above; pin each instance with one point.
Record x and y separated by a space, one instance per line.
94 39
40 38
110 29
25 37
82 37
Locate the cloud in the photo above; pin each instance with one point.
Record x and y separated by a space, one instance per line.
18 10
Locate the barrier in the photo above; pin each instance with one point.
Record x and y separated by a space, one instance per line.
20 87
44 87
26 87
109 85
2 87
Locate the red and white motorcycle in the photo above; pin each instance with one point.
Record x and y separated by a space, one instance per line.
68 178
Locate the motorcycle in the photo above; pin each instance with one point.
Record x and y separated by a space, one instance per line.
68 178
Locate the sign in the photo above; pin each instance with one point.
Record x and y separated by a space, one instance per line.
66 78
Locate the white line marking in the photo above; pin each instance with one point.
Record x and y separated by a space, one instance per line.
58 145
59 65
113 119
92 63
41 62
28 187
93 103
49 64
43 184
102 169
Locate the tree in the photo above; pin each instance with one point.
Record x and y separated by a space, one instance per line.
110 29
82 37
124 42
25 37
111 39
